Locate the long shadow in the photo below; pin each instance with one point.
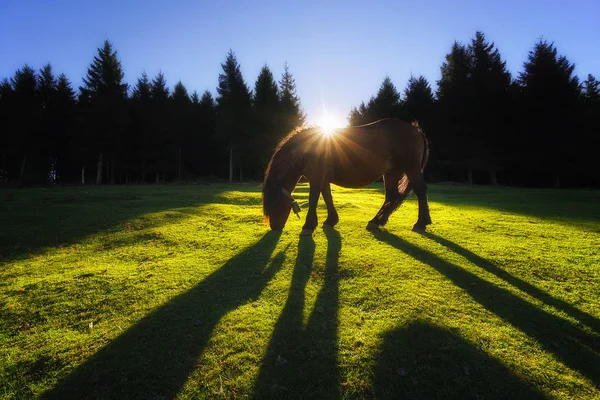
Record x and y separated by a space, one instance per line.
424 361
571 206
154 358
37 218
574 347
301 362
528 288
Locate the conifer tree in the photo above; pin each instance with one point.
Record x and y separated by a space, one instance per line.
103 97
292 115
25 127
181 120
489 102
233 112
7 138
64 149
266 125
47 140
591 110
549 101
141 123
387 103
452 132
418 100
163 142
208 161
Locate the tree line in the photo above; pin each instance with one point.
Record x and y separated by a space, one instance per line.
539 128
107 132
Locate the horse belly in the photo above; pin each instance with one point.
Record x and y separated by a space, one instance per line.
355 176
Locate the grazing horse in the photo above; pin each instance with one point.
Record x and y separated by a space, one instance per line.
350 157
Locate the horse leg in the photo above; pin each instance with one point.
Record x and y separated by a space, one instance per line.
311 216
420 187
394 196
332 215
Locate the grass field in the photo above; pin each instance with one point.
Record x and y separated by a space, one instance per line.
180 291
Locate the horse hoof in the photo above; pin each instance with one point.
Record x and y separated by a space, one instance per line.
306 232
419 228
372 226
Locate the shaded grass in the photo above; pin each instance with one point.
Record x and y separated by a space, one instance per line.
181 292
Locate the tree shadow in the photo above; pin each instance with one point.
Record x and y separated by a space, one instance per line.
301 361
526 287
574 347
39 218
154 358
424 361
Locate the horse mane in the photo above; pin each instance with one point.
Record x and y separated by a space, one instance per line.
283 159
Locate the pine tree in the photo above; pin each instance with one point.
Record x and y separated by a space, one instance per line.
6 134
210 155
47 92
418 100
591 123
233 111
489 107
387 103
181 121
64 153
163 143
25 127
452 130
266 126
292 115
549 101
141 123
103 97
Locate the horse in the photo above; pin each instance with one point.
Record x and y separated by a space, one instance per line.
350 157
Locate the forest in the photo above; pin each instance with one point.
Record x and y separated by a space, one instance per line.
485 125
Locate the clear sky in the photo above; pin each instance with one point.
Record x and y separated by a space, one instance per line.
338 51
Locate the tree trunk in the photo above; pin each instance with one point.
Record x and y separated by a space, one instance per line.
126 177
99 171
157 177
241 174
179 163
493 180
143 170
557 181
23 165
83 175
112 173
230 162
470 171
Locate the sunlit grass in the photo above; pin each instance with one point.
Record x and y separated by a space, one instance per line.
175 291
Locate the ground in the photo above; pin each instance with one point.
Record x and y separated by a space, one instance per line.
181 291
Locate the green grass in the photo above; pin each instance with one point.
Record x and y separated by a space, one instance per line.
180 291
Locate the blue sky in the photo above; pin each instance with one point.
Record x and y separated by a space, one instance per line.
338 51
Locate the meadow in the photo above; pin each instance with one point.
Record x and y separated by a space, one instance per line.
181 291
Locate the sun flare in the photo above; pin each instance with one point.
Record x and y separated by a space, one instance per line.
329 123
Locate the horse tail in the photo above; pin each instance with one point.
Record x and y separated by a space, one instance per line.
425 157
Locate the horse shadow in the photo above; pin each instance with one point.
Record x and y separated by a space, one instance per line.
570 344
154 358
301 361
424 361
526 287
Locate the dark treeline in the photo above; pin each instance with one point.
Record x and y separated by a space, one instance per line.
109 132
539 128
